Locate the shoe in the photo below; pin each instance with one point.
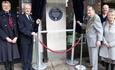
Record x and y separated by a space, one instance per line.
32 69
11 66
89 66
45 60
6 66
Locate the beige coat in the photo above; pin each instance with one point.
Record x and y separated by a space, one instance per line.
109 38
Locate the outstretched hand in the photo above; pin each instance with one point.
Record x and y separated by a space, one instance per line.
33 33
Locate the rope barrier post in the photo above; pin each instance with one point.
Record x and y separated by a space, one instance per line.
72 61
39 64
81 49
80 66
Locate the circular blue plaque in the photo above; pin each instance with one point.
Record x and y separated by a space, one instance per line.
55 14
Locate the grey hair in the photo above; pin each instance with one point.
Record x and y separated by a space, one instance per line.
111 11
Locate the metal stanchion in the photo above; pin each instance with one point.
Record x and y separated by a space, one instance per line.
39 65
72 61
80 66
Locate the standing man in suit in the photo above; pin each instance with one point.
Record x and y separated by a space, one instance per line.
94 34
26 33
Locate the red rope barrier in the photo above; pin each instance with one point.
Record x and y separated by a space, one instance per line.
62 51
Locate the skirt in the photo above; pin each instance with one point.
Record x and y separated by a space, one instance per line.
8 51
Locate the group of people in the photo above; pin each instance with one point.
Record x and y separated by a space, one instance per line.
13 31
100 36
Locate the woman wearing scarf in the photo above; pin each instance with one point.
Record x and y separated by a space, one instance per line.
8 37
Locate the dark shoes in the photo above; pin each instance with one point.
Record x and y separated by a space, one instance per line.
9 66
32 69
89 66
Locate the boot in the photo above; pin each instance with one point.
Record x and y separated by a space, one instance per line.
11 66
112 66
107 66
6 65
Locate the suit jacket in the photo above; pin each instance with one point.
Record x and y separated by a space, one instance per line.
26 27
94 31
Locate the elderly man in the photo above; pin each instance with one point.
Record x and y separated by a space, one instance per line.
94 34
26 33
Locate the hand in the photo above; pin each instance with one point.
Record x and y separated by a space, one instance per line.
9 40
14 40
98 43
33 33
109 46
79 23
38 21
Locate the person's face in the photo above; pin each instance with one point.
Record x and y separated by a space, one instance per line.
90 12
111 16
27 9
105 9
6 7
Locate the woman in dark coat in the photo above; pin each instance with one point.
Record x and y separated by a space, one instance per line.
8 37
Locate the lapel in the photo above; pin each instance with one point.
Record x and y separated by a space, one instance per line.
28 22
90 21
27 19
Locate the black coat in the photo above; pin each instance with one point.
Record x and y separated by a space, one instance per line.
8 51
26 27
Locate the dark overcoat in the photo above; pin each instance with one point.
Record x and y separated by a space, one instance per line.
8 51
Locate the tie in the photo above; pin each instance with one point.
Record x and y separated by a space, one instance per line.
29 17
